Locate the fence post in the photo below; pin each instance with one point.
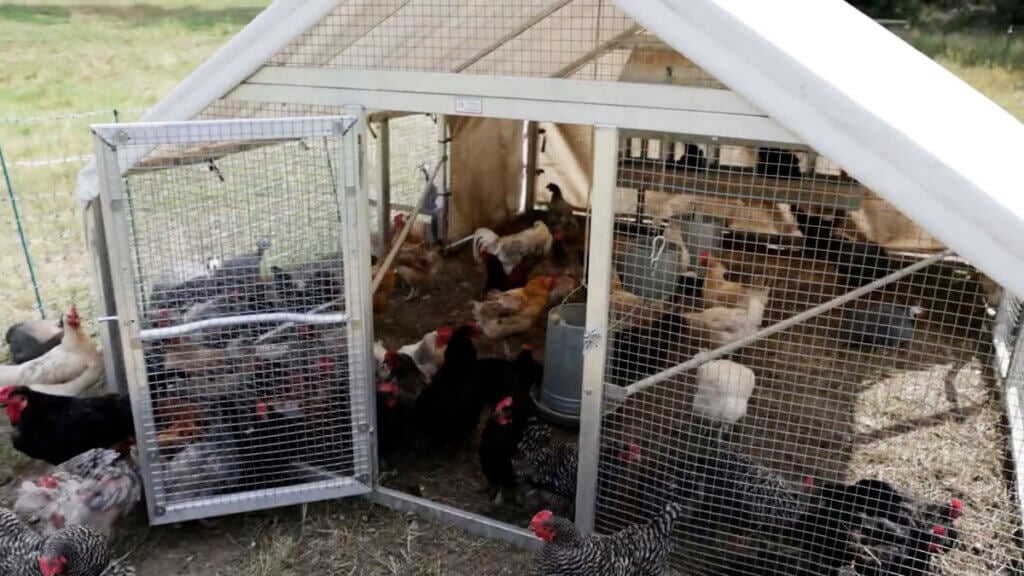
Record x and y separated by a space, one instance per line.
21 235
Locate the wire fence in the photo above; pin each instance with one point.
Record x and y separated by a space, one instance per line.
43 251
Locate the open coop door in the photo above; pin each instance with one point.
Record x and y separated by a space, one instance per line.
240 252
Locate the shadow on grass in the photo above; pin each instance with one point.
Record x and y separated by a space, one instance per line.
192 17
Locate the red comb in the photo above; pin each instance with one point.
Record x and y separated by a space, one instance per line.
541 517
5 394
939 530
503 403
529 347
808 481
957 509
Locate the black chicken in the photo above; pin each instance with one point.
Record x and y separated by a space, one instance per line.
32 338
858 262
634 551
778 163
499 443
396 401
502 378
640 351
57 428
448 411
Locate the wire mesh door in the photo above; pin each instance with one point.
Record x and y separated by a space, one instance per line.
820 402
240 252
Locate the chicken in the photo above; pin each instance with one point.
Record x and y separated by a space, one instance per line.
395 414
721 325
32 338
634 551
201 469
448 411
554 468
421 232
417 267
560 216
880 324
57 428
66 370
723 390
533 243
740 495
404 372
499 443
858 262
428 353
384 290
873 526
717 290
75 550
502 378
94 489
778 163
692 157
179 422
515 311
640 351
241 272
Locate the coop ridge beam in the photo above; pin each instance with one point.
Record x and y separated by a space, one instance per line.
703 357
690 110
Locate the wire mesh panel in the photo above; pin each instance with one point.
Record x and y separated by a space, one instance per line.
238 247
864 436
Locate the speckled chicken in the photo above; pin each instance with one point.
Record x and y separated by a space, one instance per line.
638 550
94 489
73 551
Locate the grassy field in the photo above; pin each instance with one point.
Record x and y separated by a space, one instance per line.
66 56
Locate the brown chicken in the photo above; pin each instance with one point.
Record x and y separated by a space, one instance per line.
417 266
717 290
383 293
503 314
181 420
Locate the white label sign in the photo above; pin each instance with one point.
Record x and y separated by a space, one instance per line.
468 105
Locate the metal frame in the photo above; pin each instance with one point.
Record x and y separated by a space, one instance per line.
106 326
696 111
595 339
475 524
107 138
1008 365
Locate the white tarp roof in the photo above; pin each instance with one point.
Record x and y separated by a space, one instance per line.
901 124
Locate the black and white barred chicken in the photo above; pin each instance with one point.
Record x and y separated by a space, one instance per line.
72 551
638 550
547 472
741 495
94 489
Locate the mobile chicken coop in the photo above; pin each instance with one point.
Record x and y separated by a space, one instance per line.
850 210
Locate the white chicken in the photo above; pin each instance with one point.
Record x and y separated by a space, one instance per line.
723 325
723 391
428 353
94 489
69 369
511 250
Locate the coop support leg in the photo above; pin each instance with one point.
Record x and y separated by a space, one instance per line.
384 165
595 340
710 355
356 247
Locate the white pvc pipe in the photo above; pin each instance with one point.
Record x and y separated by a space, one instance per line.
248 51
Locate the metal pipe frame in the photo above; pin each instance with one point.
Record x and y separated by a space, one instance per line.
703 357
595 341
